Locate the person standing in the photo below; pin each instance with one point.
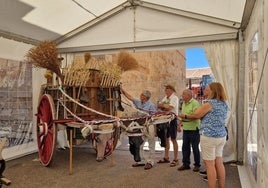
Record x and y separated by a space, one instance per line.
213 133
170 103
191 136
144 103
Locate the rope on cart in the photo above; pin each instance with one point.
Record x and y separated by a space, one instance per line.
85 107
83 121
152 116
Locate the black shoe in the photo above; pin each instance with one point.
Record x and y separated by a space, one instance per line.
196 169
205 178
181 168
202 173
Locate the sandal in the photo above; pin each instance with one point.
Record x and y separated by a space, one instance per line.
164 160
174 163
99 159
148 166
137 164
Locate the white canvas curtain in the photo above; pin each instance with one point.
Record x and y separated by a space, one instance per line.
223 60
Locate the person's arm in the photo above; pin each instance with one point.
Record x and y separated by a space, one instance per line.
128 96
179 126
168 106
198 113
164 107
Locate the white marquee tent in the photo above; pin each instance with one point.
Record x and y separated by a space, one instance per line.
233 34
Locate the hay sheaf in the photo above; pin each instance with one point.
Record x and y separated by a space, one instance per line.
87 57
45 55
126 61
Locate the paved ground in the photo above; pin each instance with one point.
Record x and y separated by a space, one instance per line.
27 172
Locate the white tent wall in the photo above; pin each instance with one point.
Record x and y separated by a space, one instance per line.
224 9
258 24
154 25
12 50
119 29
142 24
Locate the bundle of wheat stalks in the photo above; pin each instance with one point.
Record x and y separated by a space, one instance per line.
127 62
45 55
110 74
77 74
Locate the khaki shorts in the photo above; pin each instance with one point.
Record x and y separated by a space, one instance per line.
211 147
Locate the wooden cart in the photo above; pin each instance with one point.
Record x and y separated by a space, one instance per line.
76 107
87 98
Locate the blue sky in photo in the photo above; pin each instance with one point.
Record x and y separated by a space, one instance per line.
196 58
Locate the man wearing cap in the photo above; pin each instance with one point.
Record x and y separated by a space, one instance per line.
143 103
170 103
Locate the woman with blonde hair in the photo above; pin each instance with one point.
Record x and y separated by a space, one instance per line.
213 115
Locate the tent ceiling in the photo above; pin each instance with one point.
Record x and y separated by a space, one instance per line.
32 21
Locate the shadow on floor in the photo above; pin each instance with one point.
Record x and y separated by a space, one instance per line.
114 172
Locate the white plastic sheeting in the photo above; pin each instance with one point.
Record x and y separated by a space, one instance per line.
15 51
258 24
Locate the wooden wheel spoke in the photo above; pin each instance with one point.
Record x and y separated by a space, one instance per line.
40 134
41 144
47 145
46 130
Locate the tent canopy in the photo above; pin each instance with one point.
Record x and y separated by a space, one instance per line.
80 25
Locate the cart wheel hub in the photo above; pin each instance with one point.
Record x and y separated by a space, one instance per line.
43 129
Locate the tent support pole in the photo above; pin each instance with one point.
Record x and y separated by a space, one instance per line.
241 100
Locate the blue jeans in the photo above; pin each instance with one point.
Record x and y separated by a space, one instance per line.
190 138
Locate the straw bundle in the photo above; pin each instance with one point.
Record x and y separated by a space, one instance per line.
93 63
45 55
110 74
77 74
126 61
87 57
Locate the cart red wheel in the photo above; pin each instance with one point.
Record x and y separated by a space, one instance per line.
46 129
